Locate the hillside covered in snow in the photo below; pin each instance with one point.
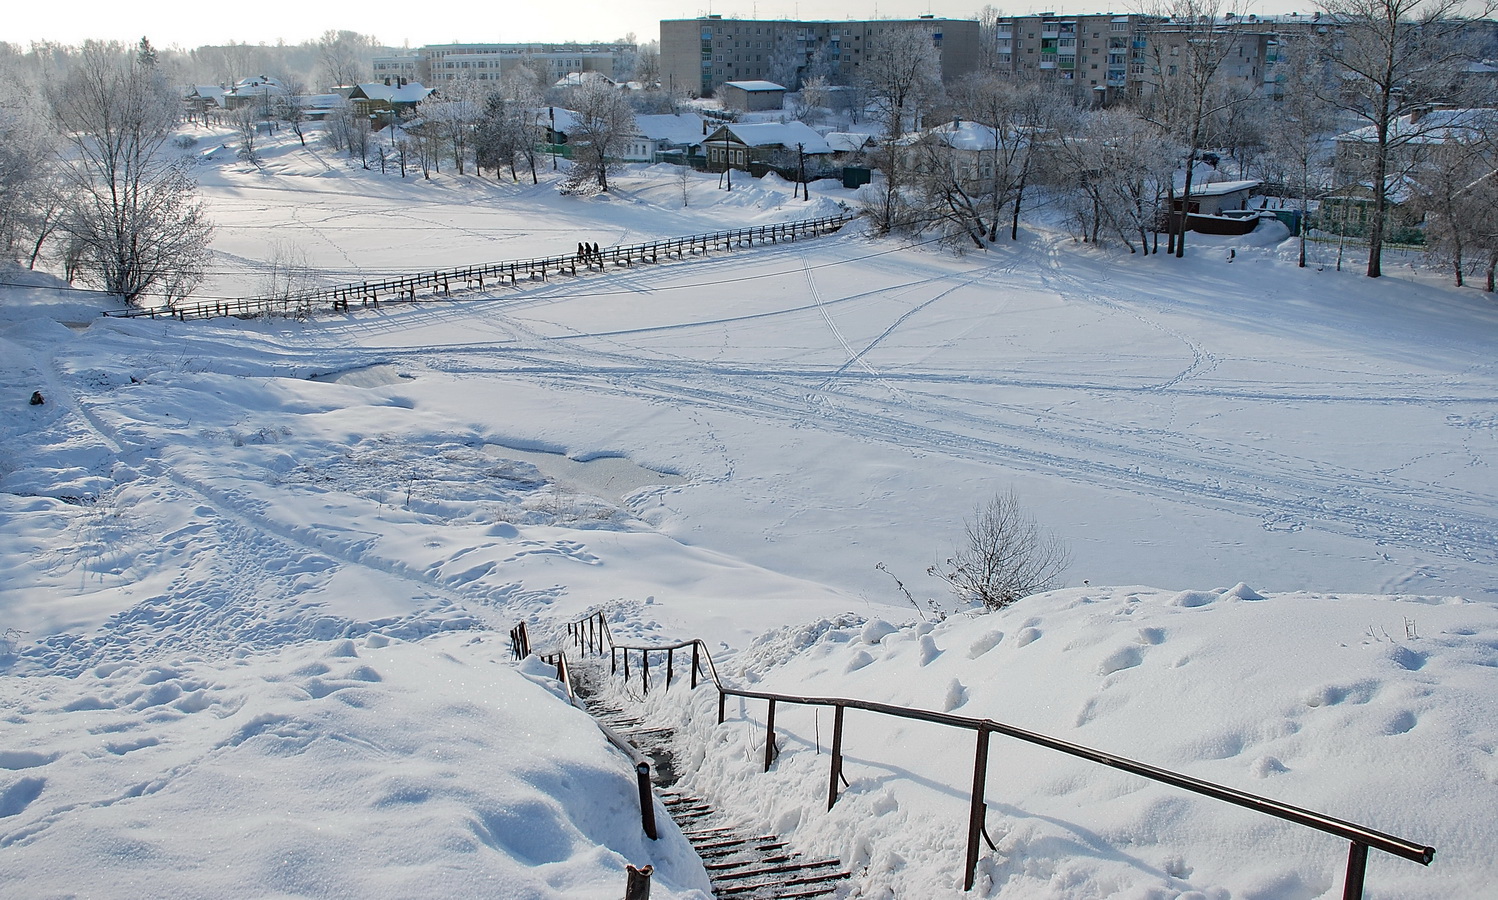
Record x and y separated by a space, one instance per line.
257 574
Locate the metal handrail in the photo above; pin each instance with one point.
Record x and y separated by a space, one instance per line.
592 632
370 292
520 647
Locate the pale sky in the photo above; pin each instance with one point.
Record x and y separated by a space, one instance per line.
174 23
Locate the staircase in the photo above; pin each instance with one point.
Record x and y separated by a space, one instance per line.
740 864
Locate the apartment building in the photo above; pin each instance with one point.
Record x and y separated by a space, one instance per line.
1112 56
436 64
698 55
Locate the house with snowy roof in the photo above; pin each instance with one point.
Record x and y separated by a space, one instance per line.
257 89
669 136
969 149
760 146
392 98
752 96
1414 140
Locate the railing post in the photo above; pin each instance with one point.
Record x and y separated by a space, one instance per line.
637 883
613 660
1357 862
647 801
626 666
722 701
837 754
670 666
979 811
644 672
770 736
694 665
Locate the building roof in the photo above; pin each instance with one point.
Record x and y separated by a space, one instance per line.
1434 127
848 141
965 135
208 92
682 129
1218 188
410 92
775 134
754 86
558 118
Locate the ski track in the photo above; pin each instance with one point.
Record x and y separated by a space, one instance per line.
231 600
1242 479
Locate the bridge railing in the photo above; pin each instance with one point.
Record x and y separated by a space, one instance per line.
404 288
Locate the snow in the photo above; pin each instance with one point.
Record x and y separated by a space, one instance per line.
775 134
258 573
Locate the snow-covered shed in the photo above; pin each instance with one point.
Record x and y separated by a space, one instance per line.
1217 197
752 96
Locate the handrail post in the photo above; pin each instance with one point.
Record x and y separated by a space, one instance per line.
613 660
670 666
694 665
770 736
626 666
722 702
837 754
979 811
1357 863
644 672
647 801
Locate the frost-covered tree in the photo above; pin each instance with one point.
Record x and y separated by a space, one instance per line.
901 73
344 57
451 118
604 121
28 186
135 219
1186 93
1394 58
1299 137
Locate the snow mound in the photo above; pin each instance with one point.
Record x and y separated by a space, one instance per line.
1374 709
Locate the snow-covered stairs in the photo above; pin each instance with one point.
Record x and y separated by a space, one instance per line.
740 864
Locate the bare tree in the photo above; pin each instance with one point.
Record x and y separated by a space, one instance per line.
344 55
136 221
1186 91
452 116
1301 122
1455 188
246 120
292 108
1395 58
1004 557
604 120
901 72
27 183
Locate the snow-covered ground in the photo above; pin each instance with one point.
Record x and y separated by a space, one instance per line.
257 574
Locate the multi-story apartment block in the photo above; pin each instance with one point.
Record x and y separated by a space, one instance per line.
698 55
439 63
1099 53
1121 55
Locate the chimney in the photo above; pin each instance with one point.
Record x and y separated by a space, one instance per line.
387 81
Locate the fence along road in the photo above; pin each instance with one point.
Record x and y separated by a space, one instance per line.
342 298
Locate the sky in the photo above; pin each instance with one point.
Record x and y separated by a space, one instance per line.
187 25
